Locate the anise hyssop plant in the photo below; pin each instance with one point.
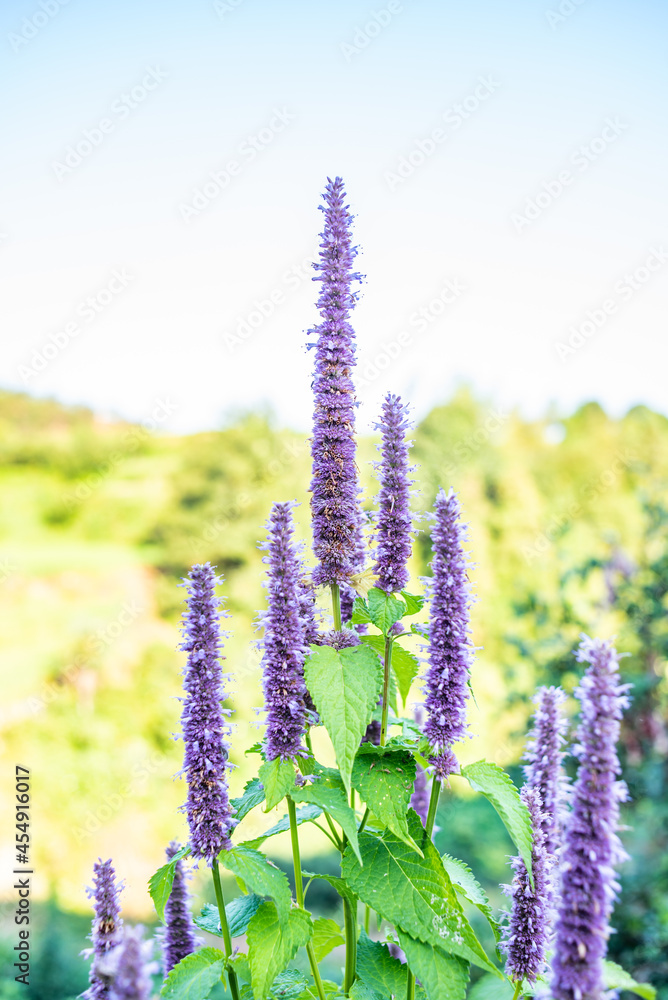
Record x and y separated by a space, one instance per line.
336 654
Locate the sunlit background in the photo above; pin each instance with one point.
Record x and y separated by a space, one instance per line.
162 171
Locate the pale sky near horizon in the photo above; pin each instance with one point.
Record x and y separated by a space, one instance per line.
531 212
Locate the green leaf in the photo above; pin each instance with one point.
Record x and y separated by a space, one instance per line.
360 615
304 815
492 988
384 778
278 778
260 875
493 782
345 686
384 610
288 985
414 602
327 791
238 912
412 892
239 963
378 969
616 978
465 882
326 936
341 886
160 883
195 975
444 977
360 991
272 943
253 795
404 664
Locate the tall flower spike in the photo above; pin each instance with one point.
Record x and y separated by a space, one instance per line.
450 650
179 937
393 538
527 937
592 848
132 980
283 642
544 756
334 483
106 932
205 731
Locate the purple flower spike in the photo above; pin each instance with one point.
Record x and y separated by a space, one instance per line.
132 980
420 796
592 848
334 483
106 933
450 650
393 540
527 937
179 938
205 730
283 643
543 769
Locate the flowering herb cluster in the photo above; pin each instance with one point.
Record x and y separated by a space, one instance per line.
349 667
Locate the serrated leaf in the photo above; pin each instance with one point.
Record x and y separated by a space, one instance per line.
304 815
238 912
239 963
465 882
327 791
360 615
195 975
327 935
444 977
278 779
341 886
617 978
360 991
260 875
332 990
405 665
414 602
491 988
253 795
493 782
160 883
273 943
412 892
288 985
345 686
384 778
378 969
384 609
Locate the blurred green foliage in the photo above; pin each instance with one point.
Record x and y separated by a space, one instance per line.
100 520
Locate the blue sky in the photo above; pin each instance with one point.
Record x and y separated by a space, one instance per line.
524 250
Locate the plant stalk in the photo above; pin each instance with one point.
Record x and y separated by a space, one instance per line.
299 892
431 818
336 606
350 923
225 928
386 691
518 990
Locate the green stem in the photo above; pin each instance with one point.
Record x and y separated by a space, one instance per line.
299 892
350 922
410 986
518 990
224 926
433 805
367 917
386 690
364 819
336 606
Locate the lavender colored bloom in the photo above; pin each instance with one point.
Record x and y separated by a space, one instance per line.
544 755
179 938
308 614
420 796
132 980
107 926
528 934
393 539
283 642
334 483
205 730
592 848
450 650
